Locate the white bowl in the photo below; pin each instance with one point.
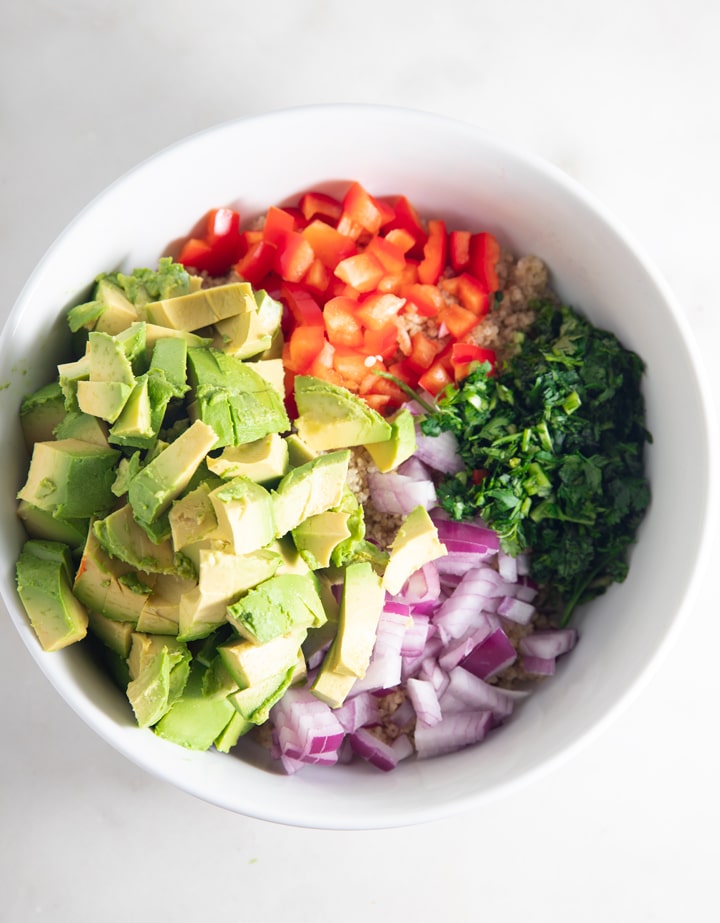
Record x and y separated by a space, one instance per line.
455 171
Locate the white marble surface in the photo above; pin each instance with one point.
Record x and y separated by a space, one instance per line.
620 94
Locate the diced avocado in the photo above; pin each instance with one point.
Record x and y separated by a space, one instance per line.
251 332
399 447
361 606
273 371
41 413
264 460
276 606
133 341
43 525
249 663
199 309
222 578
318 536
309 489
195 720
232 732
44 584
331 417
415 544
70 478
69 376
217 681
244 513
255 702
145 285
123 538
154 333
155 486
192 517
108 359
160 614
291 561
233 398
113 634
78 425
332 687
170 357
108 586
104 399
299 452
159 667
135 418
118 312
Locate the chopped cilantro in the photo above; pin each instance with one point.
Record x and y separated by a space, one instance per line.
554 449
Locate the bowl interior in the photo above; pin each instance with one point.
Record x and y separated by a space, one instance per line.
450 170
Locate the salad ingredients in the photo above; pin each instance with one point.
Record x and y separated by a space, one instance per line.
301 491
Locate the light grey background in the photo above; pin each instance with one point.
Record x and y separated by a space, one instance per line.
621 95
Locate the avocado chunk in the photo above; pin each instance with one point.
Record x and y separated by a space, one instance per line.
104 399
157 484
254 703
108 359
115 635
317 537
199 309
70 374
299 452
41 413
160 612
249 663
232 732
159 667
192 517
415 544
169 356
135 418
276 606
311 488
70 478
229 395
244 513
123 538
42 524
117 313
108 586
195 720
143 285
82 426
402 443
265 460
361 606
250 332
44 584
222 578
331 417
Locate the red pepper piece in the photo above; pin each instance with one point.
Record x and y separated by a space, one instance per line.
294 256
303 308
381 342
341 322
379 309
362 271
328 244
458 320
464 356
484 255
427 299
472 294
360 212
304 346
320 205
434 253
407 219
278 223
435 378
220 246
389 255
459 249
255 265
424 351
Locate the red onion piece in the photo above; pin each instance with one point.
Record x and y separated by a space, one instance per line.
468 691
516 610
492 654
398 494
424 699
383 755
550 643
439 452
454 732
360 710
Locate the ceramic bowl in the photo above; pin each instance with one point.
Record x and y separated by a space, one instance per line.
458 172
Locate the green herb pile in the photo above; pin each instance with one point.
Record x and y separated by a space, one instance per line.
554 449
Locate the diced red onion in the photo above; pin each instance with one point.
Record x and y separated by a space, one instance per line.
458 649
454 732
414 468
550 643
538 666
481 537
492 654
472 692
360 710
507 567
439 452
434 673
415 637
394 493
516 610
423 586
424 698
381 754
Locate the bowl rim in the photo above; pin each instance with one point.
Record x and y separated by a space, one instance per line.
352 820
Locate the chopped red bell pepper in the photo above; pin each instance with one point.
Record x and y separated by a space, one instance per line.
378 309
361 271
464 356
388 254
255 265
320 205
407 219
381 342
427 299
278 224
435 378
459 249
458 320
220 246
341 322
304 346
424 351
484 254
304 310
434 253
328 244
362 212
472 294
294 256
